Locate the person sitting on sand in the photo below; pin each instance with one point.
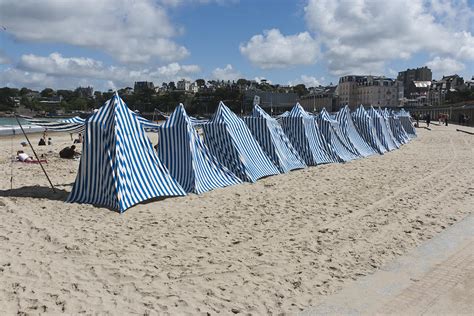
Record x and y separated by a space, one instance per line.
68 152
78 140
41 142
22 156
50 142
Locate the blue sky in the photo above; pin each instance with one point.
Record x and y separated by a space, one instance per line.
112 43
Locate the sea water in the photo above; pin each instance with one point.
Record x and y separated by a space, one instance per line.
9 126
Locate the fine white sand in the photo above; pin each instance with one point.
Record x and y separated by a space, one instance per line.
276 246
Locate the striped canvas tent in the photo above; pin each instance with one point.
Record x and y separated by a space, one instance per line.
188 160
148 125
273 140
351 135
396 127
119 167
381 129
405 120
303 132
366 129
230 140
332 133
71 125
386 117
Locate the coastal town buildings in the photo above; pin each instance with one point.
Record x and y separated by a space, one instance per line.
320 98
183 85
369 90
408 76
143 85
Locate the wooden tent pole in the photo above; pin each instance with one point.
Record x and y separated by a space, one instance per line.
34 152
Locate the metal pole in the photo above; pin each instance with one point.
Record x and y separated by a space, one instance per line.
314 101
34 152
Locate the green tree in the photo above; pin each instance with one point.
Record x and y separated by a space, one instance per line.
6 98
300 89
24 91
47 93
200 82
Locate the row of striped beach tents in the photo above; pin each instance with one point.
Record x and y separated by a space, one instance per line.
119 166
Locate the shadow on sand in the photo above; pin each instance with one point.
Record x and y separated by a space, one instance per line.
36 192
41 192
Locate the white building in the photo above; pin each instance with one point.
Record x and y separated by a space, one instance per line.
184 85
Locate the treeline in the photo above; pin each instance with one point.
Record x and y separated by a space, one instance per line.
144 100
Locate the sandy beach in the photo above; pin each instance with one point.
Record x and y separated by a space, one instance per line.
277 246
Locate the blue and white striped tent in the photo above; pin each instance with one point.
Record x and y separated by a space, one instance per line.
119 167
230 140
303 132
386 117
351 135
331 130
366 129
183 152
381 129
396 127
273 140
76 124
148 125
405 120
71 125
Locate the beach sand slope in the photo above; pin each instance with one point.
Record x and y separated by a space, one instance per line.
276 246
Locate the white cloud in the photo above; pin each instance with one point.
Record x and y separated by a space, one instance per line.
308 81
445 66
15 78
176 3
259 80
131 31
174 69
68 72
226 73
360 36
275 50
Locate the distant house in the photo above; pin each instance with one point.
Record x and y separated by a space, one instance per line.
85 92
319 98
183 85
143 85
369 90
272 102
128 91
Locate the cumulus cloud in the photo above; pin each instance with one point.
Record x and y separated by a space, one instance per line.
361 36
275 50
226 73
308 81
445 66
56 70
259 80
131 31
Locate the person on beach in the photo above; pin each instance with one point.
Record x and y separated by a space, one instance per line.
50 142
79 139
22 156
446 120
428 120
41 142
68 152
